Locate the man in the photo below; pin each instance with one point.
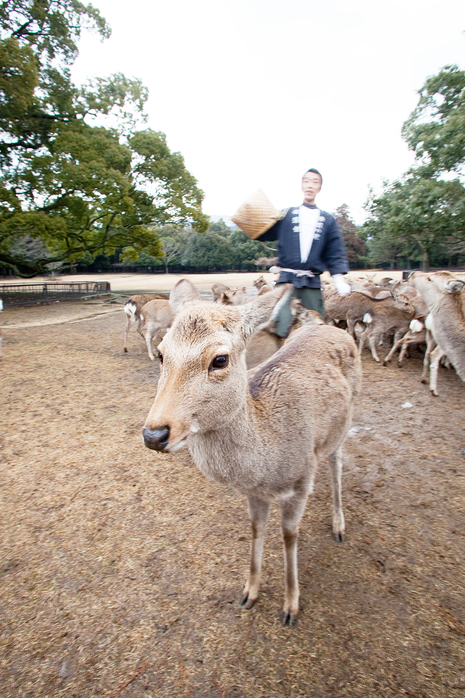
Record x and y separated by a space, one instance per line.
309 242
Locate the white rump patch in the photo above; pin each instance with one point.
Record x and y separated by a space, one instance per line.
416 325
130 308
367 318
429 322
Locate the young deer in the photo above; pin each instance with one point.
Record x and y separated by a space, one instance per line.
155 317
261 431
132 309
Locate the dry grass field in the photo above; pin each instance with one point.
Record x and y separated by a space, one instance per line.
121 569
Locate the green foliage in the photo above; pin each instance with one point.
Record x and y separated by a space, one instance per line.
208 250
416 218
421 217
220 228
247 251
435 130
354 244
78 188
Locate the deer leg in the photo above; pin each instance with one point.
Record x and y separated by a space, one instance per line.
351 327
129 322
292 509
335 461
361 340
372 337
395 347
430 344
150 332
436 357
403 351
140 326
258 510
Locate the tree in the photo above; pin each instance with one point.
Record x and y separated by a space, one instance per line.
435 130
208 250
78 187
422 215
354 244
220 228
416 216
247 251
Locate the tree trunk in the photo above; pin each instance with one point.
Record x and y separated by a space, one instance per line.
425 263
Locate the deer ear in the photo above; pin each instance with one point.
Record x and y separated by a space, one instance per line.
263 310
454 286
296 307
184 292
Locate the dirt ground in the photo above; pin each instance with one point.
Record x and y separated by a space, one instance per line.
121 568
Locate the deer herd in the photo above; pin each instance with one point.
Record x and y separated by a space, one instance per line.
259 412
372 314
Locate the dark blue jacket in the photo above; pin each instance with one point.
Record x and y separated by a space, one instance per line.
327 251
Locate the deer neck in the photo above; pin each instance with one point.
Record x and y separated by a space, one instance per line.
233 453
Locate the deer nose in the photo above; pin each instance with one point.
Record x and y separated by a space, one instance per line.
157 439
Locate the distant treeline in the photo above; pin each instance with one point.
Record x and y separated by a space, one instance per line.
218 249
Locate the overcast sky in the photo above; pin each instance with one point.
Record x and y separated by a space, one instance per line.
255 92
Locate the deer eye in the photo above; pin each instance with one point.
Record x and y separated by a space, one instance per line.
219 362
160 356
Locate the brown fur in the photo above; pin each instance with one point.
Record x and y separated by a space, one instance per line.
354 306
156 317
233 296
132 308
263 431
217 290
445 297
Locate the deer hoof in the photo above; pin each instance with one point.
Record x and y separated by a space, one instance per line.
247 601
339 537
289 619
125 350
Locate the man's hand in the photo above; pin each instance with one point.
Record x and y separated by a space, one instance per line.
341 287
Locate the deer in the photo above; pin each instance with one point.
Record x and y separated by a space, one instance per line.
261 285
262 431
217 289
386 319
353 307
444 295
132 309
233 296
155 316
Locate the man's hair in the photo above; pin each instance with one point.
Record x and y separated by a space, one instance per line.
312 169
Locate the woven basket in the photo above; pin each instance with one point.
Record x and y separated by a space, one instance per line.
256 215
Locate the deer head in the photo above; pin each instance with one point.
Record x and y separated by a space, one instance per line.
203 377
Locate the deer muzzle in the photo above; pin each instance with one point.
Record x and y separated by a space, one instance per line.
156 439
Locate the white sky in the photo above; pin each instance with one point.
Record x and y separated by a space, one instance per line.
254 92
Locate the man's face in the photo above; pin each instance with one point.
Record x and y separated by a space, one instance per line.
311 185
